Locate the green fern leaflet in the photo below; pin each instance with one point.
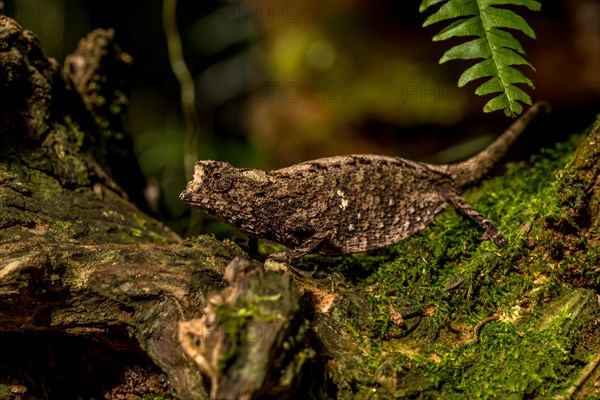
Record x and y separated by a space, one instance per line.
497 47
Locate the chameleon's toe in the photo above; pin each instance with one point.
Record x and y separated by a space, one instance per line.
281 257
496 237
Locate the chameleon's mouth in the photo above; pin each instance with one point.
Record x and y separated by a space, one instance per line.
184 196
193 198
192 189
188 197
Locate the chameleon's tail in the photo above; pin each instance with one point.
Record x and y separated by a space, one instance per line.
474 168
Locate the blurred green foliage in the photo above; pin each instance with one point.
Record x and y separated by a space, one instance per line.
286 81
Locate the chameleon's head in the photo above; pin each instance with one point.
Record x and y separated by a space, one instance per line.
222 190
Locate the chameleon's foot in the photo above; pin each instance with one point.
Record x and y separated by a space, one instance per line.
490 230
303 274
493 234
281 262
273 265
281 257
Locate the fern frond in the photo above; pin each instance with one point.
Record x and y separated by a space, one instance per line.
498 48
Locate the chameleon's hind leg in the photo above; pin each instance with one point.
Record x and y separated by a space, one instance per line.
490 229
306 247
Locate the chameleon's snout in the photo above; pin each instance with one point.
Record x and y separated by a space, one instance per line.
185 196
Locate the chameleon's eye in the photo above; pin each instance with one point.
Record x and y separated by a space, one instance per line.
221 181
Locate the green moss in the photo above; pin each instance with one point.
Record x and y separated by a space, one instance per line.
454 280
140 221
93 86
512 360
76 133
5 392
66 226
163 396
380 307
244 321
211 247
115 109
156 238
135 232
100 100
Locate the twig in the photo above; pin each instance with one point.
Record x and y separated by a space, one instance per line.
479 325
186 82
585 373
188 103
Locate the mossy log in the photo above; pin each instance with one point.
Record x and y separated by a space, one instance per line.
76 256
79 260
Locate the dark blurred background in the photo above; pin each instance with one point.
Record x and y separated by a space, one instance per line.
278 82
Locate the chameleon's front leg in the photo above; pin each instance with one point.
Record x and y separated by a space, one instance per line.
490 229
306 247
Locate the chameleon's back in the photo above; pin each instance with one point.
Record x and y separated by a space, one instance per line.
363 201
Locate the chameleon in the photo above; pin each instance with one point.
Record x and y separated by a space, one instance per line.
345 204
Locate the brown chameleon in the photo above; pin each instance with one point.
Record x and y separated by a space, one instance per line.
344 204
